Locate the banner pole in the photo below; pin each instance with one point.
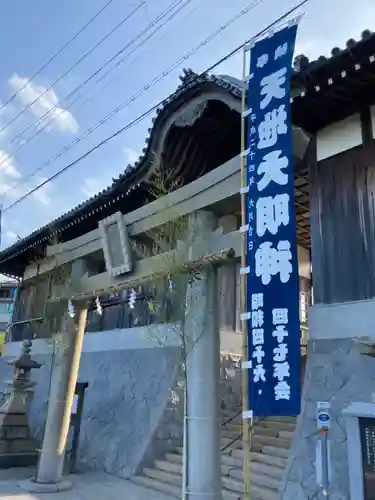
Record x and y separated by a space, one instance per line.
245 373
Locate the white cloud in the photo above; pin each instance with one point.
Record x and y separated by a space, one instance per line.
8 172
131 155
12 188
43 194
63 120
92 186
7 166
10 237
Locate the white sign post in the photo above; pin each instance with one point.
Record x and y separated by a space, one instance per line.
323 421
323 415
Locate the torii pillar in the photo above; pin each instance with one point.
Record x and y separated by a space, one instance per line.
201 331
49 475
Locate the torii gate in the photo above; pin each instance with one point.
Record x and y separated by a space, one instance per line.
204 248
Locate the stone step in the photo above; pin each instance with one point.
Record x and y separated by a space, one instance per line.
233 444
152 484
275 451
258 477
279 426
267 459
232 489
261 430
271 441
260 449
231 461
257 492
173 461
286 435
163 476
174 457
276 430
257 439
290 420
230 495
232 484
169 466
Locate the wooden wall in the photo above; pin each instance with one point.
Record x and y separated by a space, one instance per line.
342 206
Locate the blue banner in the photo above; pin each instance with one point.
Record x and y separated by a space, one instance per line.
272 282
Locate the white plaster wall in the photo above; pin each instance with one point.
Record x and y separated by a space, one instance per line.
5 317
127 339
143 337
339 137
345 320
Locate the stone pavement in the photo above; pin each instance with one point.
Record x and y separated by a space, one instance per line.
87 486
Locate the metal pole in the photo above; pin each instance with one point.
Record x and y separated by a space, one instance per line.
185 441
245 380
325 465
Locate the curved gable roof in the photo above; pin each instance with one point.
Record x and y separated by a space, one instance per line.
313 87
84 217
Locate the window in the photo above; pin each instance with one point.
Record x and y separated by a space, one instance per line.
5 293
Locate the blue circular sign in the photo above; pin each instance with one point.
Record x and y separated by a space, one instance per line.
324 417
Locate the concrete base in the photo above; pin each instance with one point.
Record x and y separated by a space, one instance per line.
31 486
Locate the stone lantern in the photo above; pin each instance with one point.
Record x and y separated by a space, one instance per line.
17 446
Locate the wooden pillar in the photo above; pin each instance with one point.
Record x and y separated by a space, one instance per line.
64 378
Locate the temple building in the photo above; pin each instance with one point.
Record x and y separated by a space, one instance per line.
134 403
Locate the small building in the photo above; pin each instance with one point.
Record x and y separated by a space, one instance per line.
8 291
133 407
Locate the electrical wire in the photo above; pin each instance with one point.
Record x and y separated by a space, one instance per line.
181 4
101 89
137 94
155 107
81 59
71 40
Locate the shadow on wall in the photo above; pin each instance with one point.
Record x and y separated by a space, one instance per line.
127 394
133 409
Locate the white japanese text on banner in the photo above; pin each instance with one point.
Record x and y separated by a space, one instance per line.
271 248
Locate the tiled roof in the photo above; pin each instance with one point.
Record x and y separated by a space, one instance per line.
303 64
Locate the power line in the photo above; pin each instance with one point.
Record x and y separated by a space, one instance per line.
101 89
136 95
71 40
96 72
81 59
155 107
183 4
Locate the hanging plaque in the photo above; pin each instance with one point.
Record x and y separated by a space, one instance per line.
367 433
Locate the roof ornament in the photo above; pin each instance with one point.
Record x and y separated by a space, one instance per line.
366 34
301 62
188 76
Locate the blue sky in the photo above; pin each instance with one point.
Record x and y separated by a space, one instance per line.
33 31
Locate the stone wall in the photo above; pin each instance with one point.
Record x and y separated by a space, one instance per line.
133 410
126 398
336 371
